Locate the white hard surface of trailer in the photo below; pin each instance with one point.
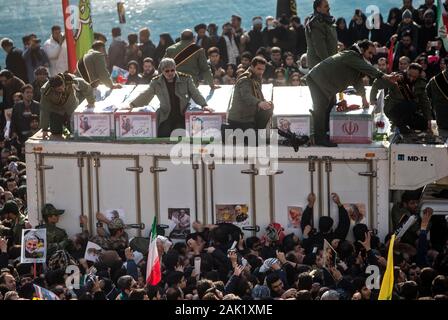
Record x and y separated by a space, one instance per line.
140 179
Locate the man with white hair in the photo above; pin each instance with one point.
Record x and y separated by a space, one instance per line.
174 91
330 295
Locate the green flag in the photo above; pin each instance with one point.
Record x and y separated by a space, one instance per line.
84 37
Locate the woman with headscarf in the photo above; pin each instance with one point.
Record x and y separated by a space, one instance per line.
134 77
165 42
344 35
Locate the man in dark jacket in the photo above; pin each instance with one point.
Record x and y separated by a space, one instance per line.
427 31
325 226
22 112
437 91
299 32
320 31
201 39
14 59
255 36
117 50
147 46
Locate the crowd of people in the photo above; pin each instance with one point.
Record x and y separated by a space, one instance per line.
220 262
274 266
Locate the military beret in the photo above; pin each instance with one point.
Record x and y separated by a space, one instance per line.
50 210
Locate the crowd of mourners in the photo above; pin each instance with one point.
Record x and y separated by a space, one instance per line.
277 264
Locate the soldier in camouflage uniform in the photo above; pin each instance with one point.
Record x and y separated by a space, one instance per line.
116 240
57 238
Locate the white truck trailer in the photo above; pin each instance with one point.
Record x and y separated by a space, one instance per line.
141 179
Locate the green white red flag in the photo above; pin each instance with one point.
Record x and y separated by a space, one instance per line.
153 272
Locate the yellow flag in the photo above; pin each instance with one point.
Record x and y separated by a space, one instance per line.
387 285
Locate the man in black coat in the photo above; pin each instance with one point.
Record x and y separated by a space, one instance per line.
14 60
255 36
22 112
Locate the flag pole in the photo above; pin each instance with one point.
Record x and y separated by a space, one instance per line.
71 47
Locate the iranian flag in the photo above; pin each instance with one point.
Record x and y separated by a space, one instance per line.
153 273
442 23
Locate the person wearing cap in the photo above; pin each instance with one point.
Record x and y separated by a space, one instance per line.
14 59
92 67
190 58
320 32
268 31
407 5
255 35
35 57
427 31
117 239
18 220
201 38
408 26
57 238
60 97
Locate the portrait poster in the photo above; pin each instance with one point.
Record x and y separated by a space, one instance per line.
356 211
115 213
181 218
34 246
294 216
238 214
92 252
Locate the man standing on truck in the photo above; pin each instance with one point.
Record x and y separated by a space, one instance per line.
174 91
320 32
407 105
60 97
334 75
